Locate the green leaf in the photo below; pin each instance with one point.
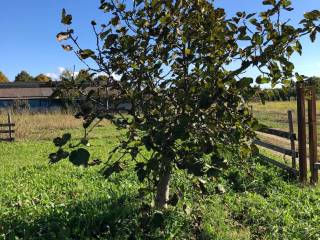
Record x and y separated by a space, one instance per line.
298 47
269 2
262 80
62 36
84 54
244 82
79 157
290 50
67 48
313 15
250 15
66 18
115 21
165 19
122 7
187 51
111 38
157 219
313 35
104 34
257 38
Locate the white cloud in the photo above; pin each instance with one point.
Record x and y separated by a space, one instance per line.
61 69
115 76
54 76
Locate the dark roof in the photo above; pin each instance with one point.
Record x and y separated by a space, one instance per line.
22 90
32 90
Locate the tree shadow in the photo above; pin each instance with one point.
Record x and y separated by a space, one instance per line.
94 219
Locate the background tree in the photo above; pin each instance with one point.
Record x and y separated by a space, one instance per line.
101 79
84 76
174 60
315 81
66 75
23 76
42 78
3 78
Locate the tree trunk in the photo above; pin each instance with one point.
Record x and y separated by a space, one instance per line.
162 196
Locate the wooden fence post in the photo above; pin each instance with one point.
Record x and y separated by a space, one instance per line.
303 165
10 127
313 148
292 140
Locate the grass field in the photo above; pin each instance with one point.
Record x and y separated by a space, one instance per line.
42 201
275 114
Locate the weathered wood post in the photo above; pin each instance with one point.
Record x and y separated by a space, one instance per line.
10 126
292 140
313 148
303 165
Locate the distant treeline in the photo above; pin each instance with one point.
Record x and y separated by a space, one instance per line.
82 75
288 93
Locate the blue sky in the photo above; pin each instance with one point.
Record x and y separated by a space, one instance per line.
28 30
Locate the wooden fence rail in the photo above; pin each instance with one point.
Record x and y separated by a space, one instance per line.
286 151
303 93
7 129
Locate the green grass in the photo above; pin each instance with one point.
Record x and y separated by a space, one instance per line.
42 201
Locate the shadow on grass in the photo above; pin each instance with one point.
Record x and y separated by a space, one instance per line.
260 177
124 218
96 219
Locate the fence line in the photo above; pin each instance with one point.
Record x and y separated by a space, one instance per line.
7 128
303 93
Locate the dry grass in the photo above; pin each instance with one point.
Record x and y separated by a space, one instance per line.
275 115
42 126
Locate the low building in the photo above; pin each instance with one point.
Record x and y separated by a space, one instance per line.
37 96
34 95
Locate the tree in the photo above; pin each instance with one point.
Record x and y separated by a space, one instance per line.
101 78
42 78
315 81
68 91
182 67
3 78
66 75
84 76
23 76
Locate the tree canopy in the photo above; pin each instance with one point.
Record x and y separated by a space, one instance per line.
24 76
83 76
42 78
181 65
3 78
66 75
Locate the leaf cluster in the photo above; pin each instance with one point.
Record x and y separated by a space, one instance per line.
181 65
